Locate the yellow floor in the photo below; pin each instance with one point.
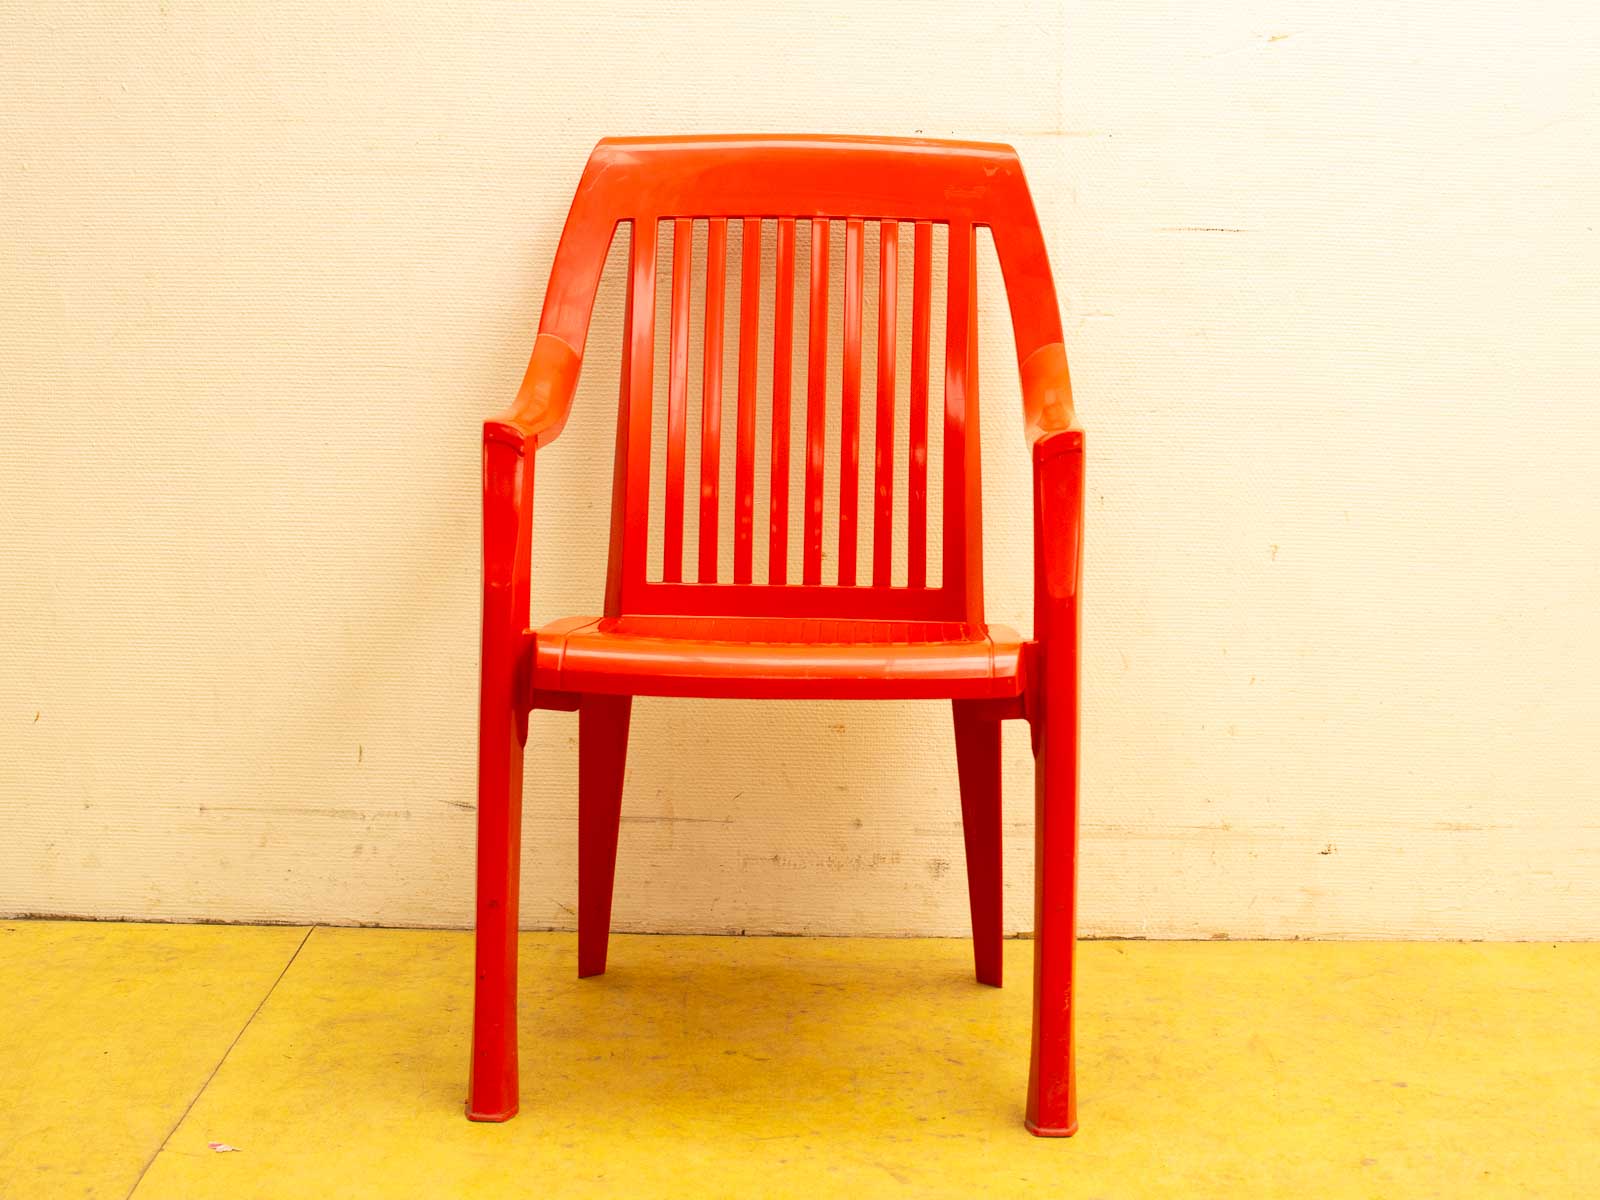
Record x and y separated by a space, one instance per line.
754 1067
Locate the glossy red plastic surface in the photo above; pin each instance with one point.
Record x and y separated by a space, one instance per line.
671 629
812 658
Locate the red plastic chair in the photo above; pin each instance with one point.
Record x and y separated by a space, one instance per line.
856 639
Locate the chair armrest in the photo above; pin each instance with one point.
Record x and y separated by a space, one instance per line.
508 457
1057 564
1057 451
544 399
1057 532
509 441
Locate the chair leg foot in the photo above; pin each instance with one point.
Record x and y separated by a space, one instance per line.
602 758
978 766
1044 1131
491 1115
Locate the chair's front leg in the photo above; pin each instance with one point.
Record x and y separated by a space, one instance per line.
1052 1083
1058 529
507 500
493 1095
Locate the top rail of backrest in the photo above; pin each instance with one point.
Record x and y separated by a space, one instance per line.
904 179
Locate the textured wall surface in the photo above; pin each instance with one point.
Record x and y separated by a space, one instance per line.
1331 284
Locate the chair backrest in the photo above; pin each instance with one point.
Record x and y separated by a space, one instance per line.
907 187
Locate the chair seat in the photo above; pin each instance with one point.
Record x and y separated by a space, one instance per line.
776 658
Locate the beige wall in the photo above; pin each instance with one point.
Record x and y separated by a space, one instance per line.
1331 283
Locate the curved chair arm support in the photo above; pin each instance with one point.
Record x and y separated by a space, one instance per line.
1046 392
544 399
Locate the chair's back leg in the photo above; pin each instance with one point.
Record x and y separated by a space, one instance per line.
602 757
978 766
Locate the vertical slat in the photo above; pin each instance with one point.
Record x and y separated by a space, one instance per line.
641 369
816 402
619 470
782 372
850 416
883 438
963 520
677 398
744 474
711 397
921 304
972 552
